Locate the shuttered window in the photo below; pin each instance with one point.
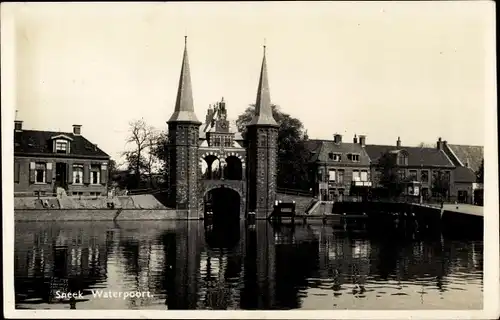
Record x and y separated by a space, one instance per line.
17 173
364 175
95 171
40 172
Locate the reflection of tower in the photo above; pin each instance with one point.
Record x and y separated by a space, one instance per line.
183 128
262 141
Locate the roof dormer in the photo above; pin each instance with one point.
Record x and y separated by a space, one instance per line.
61 144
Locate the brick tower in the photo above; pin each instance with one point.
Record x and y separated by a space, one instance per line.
262 149
183 132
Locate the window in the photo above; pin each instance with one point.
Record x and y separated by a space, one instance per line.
413 175
40 169
334 156
340 176
364 175
353 157
78 174
227 142
424 176
355 175
95 171
402 174
61 146
402 159
331 175
216 142
263 140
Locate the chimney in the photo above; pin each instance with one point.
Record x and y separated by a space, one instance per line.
355 139
77 129
439 144
337 138
362 140
95 146
18 125
398 143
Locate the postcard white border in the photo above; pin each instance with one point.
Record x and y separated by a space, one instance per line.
491 299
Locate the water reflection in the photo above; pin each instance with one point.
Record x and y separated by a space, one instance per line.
187 265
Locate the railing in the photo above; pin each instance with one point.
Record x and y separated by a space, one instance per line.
406 199
294 192
142 191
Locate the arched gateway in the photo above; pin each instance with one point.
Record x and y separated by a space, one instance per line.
212 166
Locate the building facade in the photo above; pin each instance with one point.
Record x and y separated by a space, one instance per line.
467 160
46 160
419 167
339 168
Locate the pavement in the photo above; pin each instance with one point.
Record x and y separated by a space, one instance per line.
464 208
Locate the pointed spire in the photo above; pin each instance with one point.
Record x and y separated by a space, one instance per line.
184 107
263 110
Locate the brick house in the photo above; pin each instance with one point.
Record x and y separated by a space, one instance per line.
419 166
45 160
338 168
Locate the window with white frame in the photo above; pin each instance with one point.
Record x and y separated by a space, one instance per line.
353 157
355 175
335 156
340 176
78 174
40 172
364 175
331 175
61 146
95 172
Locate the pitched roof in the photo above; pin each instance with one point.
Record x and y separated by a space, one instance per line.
184 107
416 155
206 127
263 112
463 174
473 155
321 149
35 141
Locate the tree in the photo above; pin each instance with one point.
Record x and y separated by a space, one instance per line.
440 182
160 152
293 155
140 160
390 178
480 173
425 145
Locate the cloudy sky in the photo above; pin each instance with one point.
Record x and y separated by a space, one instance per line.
419 70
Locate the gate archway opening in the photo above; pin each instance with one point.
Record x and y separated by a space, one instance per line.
224 203
211 168
233 169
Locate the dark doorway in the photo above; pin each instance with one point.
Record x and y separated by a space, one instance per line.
462 196
61 174
224 203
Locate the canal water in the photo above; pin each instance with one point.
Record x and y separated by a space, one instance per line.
186 265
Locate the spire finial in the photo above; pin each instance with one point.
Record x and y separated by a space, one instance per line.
264 46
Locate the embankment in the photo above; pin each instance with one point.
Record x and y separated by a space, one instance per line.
137 202
135 207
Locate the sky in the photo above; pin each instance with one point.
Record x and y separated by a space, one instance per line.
418 70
